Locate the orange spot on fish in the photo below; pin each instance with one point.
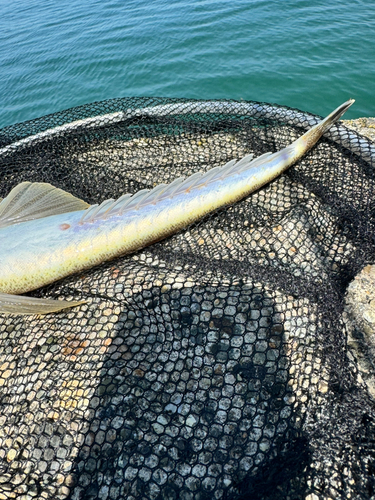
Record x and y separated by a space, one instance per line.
64 227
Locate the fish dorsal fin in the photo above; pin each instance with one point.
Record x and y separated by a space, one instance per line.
152 196
36 200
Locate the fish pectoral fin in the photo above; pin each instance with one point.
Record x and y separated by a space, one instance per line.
21 304
35 200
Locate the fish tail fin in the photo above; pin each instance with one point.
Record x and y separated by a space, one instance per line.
299 147
332 118
314 134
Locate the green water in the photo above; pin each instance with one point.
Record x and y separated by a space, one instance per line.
308 55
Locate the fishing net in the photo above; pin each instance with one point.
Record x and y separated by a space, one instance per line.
211 365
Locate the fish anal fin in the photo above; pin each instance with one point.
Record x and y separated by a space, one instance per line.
21 304
36 200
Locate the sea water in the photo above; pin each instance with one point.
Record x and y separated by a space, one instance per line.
304 54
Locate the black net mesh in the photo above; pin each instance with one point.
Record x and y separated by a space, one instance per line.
213 364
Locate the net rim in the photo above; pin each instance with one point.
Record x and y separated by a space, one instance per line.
338 133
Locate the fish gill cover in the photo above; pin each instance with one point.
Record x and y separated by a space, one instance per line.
213 364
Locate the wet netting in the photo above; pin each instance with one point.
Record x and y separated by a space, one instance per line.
213 364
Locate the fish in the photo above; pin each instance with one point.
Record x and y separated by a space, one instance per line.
47 233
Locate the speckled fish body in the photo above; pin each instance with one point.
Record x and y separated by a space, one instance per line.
38 250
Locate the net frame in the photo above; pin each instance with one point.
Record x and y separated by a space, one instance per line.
324 447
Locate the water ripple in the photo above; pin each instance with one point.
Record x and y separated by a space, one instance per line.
310 55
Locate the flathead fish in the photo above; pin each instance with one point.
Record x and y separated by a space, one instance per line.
47 233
